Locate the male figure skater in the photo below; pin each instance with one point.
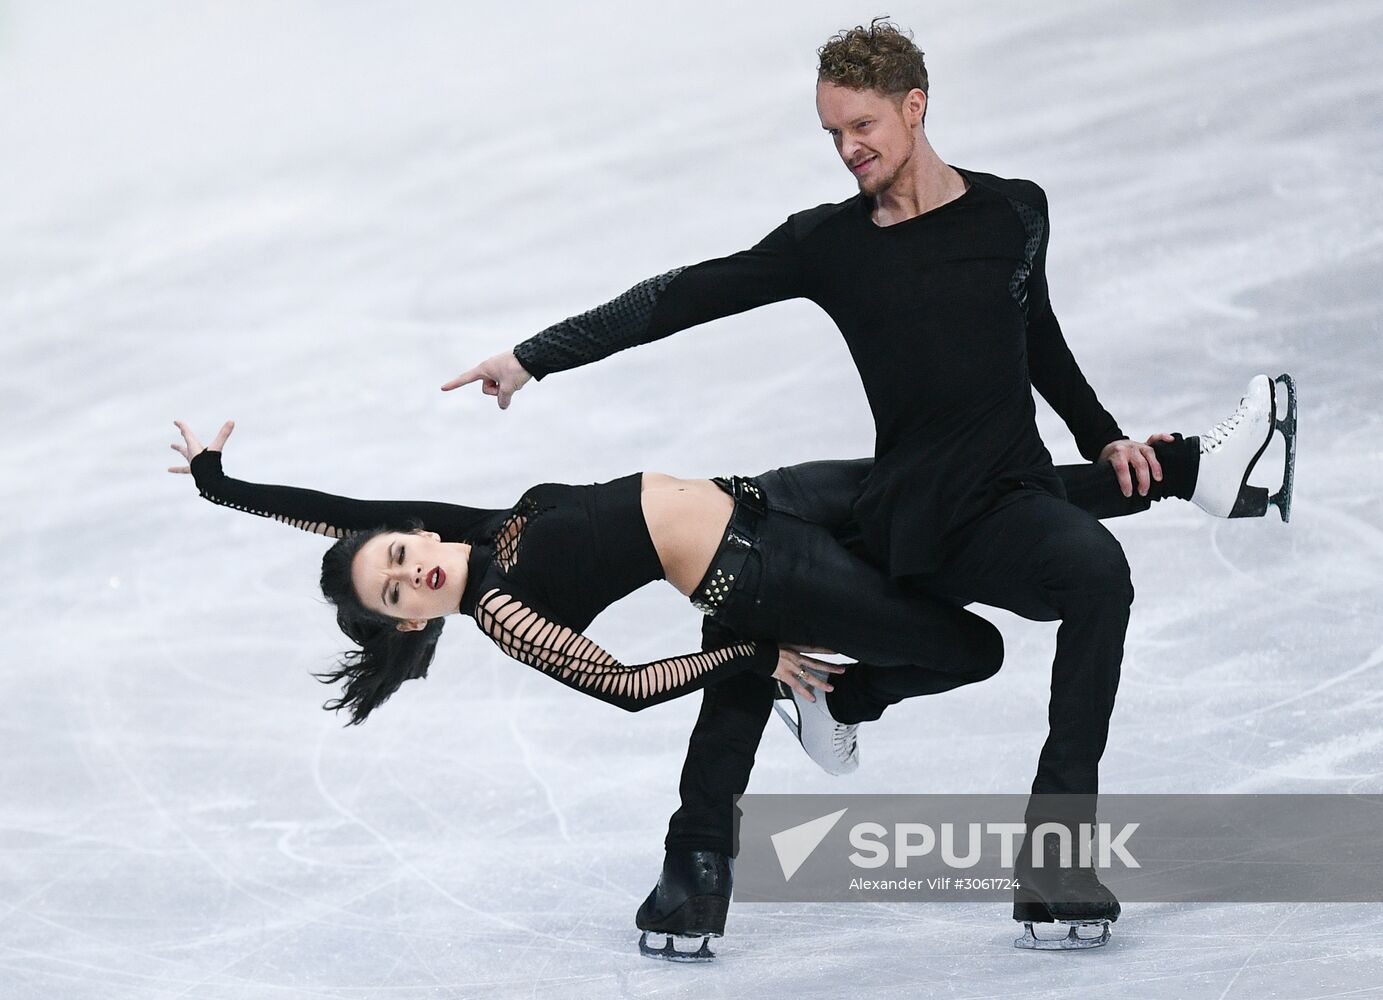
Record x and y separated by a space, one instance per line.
936 277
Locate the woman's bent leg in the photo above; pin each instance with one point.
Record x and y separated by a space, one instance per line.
820 594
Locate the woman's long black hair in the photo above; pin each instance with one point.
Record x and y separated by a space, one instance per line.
387 656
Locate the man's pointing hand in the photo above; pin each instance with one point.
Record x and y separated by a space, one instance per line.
500 376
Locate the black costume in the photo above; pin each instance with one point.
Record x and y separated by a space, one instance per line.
948 319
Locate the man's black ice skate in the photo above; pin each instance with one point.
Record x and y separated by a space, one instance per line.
687 906
1230 450
1072 896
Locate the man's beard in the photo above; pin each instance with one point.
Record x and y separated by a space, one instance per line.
881 183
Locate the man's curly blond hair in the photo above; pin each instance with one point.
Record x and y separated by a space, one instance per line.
880 58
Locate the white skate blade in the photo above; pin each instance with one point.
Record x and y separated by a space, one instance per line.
1073 941
689 951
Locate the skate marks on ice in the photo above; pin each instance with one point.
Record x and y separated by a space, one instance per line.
1280 650
1165 950
1308 700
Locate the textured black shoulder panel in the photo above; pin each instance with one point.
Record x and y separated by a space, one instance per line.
1034 225
1029 203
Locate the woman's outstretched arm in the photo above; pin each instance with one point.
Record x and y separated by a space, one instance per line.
316 512
534 638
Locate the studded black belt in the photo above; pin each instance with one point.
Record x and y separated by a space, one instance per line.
741 535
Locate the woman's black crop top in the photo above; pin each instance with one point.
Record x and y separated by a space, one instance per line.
538 573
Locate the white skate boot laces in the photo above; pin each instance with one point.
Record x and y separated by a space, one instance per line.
1222 431
843 740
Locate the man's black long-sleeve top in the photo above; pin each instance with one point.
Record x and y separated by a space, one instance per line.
948 320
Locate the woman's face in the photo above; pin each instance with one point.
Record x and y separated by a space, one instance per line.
413 576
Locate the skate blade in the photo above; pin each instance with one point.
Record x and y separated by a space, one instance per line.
670 954
1073 941
793 720
1287 426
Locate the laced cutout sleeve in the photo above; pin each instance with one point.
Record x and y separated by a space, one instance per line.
561 652
329 515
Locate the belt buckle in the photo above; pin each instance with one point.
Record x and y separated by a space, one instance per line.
735 538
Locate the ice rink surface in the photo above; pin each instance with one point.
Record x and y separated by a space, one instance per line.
308 216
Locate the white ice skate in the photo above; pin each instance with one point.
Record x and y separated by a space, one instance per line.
1230 450
833 745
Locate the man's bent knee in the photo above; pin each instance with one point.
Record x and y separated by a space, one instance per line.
1111 574
1093 563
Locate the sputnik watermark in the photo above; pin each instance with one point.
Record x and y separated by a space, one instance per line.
917 840
1094 843
795 844
1148 848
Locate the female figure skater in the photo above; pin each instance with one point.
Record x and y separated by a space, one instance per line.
532 577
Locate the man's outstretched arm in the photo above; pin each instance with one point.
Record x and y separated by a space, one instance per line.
1055 374
652 309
